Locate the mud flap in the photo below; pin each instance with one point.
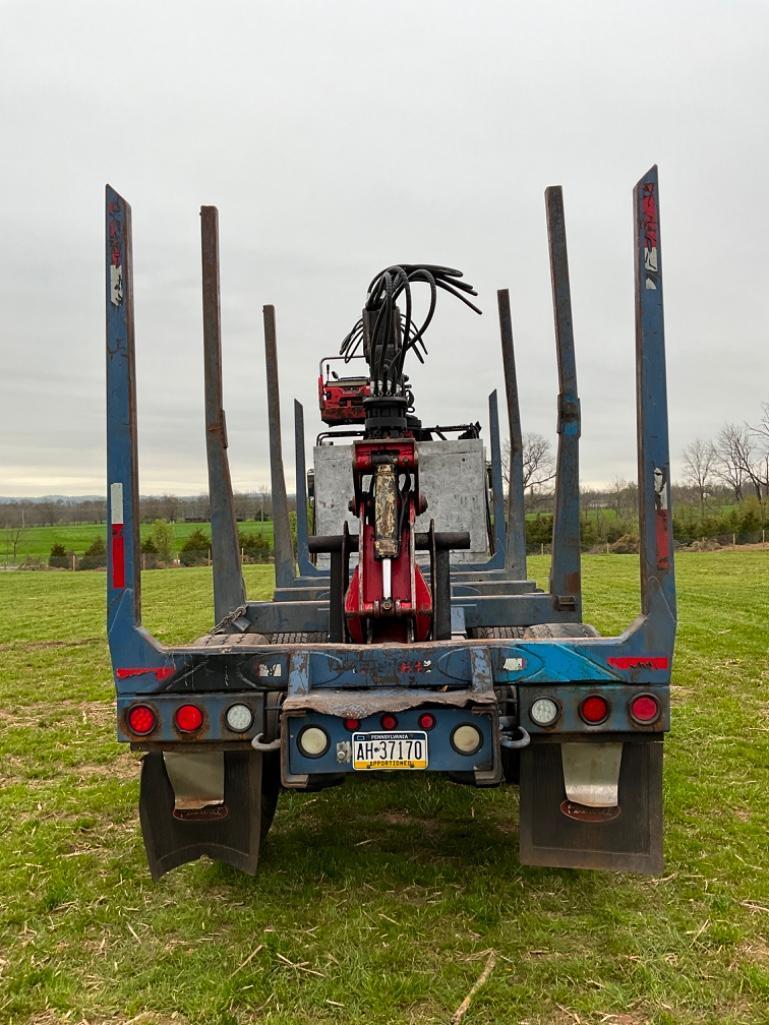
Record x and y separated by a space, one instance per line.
230 832
559 833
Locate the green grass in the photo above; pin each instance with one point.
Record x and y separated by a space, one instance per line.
36 542
377 903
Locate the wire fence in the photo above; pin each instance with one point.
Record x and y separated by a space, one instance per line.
629 545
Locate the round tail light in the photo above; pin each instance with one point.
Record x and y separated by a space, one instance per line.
645 709
141 720
388 721
313 742
594 710
544 712
239 718
426 721
466 739
189 718
352 725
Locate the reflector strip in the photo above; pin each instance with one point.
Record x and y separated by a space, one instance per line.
118 556
116 503
161 672
118 543
634 661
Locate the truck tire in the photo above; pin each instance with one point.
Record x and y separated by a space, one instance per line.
496 633
298 638
546 631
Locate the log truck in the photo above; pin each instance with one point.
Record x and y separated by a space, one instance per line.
404 633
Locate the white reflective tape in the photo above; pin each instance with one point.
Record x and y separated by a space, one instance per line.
116 285
116 502
514 665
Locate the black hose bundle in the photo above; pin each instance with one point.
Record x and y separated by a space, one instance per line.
387 333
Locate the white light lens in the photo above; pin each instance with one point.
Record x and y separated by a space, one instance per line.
466 739
313 741
239 718
544 712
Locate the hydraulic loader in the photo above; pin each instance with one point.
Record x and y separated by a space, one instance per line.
404 634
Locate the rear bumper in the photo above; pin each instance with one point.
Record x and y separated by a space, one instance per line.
481 767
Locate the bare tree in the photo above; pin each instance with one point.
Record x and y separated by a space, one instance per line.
12 541
760 466
732 445
699 463
538 466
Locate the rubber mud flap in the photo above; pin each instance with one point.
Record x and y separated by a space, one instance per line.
230 833
556 833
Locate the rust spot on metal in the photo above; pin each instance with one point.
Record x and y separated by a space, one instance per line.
581 812
210 813
360 704
573 582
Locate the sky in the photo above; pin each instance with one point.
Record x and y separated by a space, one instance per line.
337 138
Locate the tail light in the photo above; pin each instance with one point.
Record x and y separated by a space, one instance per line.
466 739
313 742
388 721
239 718
189 718
141 720
544 712
426 721
645 709
352 725
594 710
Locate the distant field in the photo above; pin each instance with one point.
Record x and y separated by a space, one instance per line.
378 903
36 542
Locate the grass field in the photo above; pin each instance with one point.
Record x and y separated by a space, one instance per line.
378 903
36 542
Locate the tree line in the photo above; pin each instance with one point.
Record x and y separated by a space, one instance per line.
50 512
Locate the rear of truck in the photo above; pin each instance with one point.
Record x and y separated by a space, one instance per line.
404 634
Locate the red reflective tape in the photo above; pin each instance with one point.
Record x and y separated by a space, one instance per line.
118 556
634 661
161 672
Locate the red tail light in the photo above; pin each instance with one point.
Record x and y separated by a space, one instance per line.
189 718
389 722
141 720
645 709
352 725
426 721
594 710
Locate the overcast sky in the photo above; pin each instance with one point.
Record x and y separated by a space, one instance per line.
337 138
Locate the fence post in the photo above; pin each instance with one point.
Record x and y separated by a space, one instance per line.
734 540
542 548
73 561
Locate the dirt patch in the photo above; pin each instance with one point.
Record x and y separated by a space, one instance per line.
754 951
42 645
145 1018
100 713
125 767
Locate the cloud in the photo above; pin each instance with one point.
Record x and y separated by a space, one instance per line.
337 138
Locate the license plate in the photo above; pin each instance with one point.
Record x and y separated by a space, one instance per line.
391 750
